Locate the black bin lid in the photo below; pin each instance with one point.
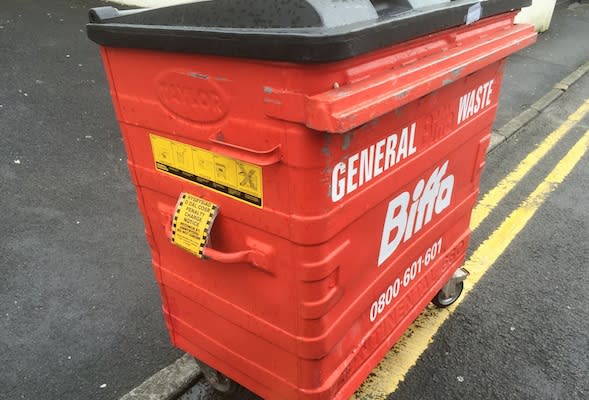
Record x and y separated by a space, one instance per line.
307 31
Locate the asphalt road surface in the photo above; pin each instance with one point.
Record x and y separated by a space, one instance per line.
78 319
80 312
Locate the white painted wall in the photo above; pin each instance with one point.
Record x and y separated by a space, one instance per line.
538 14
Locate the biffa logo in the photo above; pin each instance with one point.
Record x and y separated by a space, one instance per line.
403 220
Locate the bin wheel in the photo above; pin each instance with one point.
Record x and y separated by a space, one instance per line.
443 301
221 383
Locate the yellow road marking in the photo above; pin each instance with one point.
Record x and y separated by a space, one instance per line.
495 195
392 369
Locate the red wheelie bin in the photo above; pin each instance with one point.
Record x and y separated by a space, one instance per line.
306 171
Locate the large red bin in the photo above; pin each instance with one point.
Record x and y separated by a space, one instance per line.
344 190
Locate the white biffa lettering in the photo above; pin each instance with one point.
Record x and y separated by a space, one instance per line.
403 221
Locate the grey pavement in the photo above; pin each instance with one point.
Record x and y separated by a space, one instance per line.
79 310
534 71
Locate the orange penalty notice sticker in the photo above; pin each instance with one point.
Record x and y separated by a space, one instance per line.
192 223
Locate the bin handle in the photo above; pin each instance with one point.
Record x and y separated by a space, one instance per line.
342 109
250 256
258 254
349 106
262 158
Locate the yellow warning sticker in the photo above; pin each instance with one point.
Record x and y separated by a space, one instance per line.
192 223
229 176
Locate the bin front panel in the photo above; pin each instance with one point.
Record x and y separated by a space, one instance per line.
353 233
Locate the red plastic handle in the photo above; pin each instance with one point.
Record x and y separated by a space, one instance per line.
349 106
345 108
258 257
251 256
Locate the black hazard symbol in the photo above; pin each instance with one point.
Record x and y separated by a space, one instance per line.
221 171
248 177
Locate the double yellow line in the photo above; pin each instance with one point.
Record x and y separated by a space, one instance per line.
393 368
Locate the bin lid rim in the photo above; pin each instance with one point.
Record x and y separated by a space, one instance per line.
350 40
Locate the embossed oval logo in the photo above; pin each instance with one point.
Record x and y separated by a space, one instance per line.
192 96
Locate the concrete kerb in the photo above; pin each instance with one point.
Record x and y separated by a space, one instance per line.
169 383
172 381
547 99
507 130
518 122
